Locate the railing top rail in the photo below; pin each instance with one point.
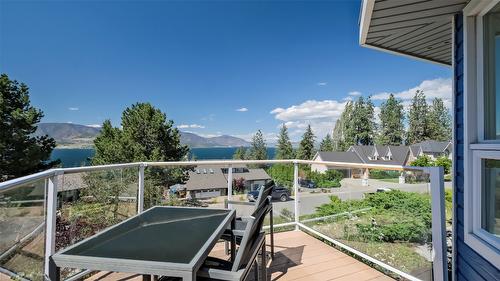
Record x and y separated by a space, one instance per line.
49 173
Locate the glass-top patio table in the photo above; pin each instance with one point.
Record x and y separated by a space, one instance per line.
169 241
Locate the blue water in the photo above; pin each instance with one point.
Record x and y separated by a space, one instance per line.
75 157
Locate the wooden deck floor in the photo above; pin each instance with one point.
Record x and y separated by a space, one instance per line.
299 256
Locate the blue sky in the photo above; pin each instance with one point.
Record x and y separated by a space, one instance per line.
213 67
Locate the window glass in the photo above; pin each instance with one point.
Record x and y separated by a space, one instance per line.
492 74
490 213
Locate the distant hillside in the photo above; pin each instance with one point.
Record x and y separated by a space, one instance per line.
194 140
69 135
76 136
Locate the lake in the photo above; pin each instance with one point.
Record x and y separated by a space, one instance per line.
74 157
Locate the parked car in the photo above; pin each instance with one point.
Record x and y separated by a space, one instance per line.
383 189
279 193
307 183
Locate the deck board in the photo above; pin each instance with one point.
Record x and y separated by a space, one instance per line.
299 257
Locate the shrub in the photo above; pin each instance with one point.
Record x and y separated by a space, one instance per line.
382 174
444 162
394 216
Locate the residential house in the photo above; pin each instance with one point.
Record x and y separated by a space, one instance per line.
463 35
211 181
433 149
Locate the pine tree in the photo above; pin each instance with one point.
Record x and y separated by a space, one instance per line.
306 148
439 121
240 153
326 144
284 148
391 117
418 119
146 135
258 150
361 126
21 153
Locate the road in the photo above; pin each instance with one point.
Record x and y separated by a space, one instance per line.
351 189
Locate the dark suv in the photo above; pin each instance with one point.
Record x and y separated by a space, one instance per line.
279 193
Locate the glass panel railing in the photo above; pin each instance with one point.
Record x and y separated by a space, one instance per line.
383 214
22 230
89 202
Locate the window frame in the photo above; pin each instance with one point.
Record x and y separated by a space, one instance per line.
476 147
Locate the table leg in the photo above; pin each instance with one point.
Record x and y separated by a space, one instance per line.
233 240
263 266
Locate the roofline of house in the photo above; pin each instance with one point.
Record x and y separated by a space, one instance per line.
364 25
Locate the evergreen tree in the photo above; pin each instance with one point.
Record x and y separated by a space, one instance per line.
326 144
391 122
258 150
361 128
284 148
21 153
306 148
439 121
240 153
418 119
146 135
343 136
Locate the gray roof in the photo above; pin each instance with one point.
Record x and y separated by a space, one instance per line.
252 174
212 177
409 27
399 153
339 156
431 146
204 179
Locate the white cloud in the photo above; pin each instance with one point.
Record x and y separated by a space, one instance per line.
94 125
73 108
190 126
321 115
354 94
321 83
243 109
436 88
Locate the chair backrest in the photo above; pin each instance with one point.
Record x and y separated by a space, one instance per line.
248 245
264 192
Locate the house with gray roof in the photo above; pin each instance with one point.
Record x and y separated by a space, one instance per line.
433 149
211 181
400 155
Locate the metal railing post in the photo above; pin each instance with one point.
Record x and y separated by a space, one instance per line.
296 191
440 261
50 270
140 191
230 185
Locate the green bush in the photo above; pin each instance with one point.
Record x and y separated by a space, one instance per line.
282 174
382 174
394 216
328 179
444 162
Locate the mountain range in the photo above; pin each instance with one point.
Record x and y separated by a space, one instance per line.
68 135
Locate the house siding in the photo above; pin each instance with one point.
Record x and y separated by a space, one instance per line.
469 265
